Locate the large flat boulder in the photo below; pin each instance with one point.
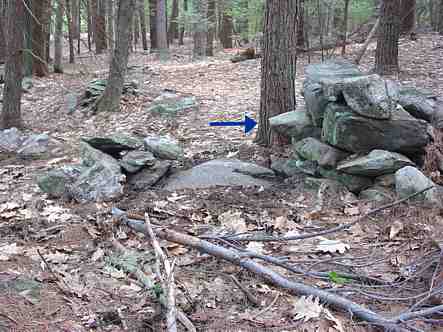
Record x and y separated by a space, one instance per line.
223 172
164 147
349 131
114 144
296 124
314 150
375 163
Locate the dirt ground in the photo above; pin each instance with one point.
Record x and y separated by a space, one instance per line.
68 252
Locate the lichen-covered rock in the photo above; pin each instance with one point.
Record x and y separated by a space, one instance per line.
114 144
164 147
354 183
409 180
149 177
10 140
314 150
169 104
285 167
419 104
57 183
376 163
134 161
296 124
34 145
377 194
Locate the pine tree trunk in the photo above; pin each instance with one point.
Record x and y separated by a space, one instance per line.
173 24
200 28
89 23
243 22
211 28
58 37
386 55
153 25
301 23
75 11
161 27
345 27
182 28
11 112
100 27
110 100
227 26
110 8
2 39
39 40
408 16
278 66
136 30
70 31
28 57
141 13
440 20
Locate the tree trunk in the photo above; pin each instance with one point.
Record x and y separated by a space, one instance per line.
226 26
70 31
58 37
345 27
153 24
301 23
161 27
386 54
47 28
79 23
11 113
141 12
278 66
2 39
408 11
39 40
110 100
28 57
90 26
200 28
243 22
368 40
182 28
110 8
440 20
75 11
136 30
211 28
173 24
100 27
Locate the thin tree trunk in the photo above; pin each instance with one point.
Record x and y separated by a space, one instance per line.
110 100
227 26
141 13
39 25
2 39
173 24
75 10
182 28
211 28
100 27
301 23
408 16
58 38
243 22
136 30
70 32
89 22
48 27
161 26
368 40
345 27
386 54
11 112
28 57
440 20
79 22
278 66
153 24
200 29
110 8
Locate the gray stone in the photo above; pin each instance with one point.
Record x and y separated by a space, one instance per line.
349 131
296 124
10 140
149 177
376 163
308 167
365 95
285 167
134 161
437 118
376 193
354 183
325 155
34 145
27 84
164 147
114 144
220 173
409 180
331 68
57 183
387 181
333 193
315 101
169 103
419 104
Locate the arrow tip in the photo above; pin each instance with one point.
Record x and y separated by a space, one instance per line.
249 124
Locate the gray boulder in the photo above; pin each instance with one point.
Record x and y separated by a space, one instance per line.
296 124
308 167
225 172
149 177
285 167
409 180
34 145
377 194
315 101
58 182
10 140
164 147
376 163
365 95
349 131
354 183
331 68
419 104
387 181
114 144
170 103
325 155
134 161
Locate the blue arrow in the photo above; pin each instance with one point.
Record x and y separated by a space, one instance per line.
249 124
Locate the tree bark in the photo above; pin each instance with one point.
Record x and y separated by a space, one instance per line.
200 28
386 54
211 28
110 100
408 17
11 112
153 24
301 23
440 20
100 27
58 37
227 26
182 28
161 27
141 12
111 37
173 24
243 22
39 40
28 57
278 66
136 30
345 27
70 31
368 40
75 11
2 38
89 23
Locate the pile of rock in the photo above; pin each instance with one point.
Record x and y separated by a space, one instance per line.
14 141
366 133
108 163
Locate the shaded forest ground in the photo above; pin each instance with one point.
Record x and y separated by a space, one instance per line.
75 239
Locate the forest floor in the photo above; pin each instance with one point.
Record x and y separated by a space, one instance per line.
80 288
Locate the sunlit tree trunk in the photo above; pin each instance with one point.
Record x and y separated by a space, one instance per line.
141 13
39 39
161 27
58 37
153 24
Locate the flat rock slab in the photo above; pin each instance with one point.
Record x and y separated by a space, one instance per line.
220 173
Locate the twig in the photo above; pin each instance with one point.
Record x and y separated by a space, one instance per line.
251 298
267 308
10 318
66 289
167 281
